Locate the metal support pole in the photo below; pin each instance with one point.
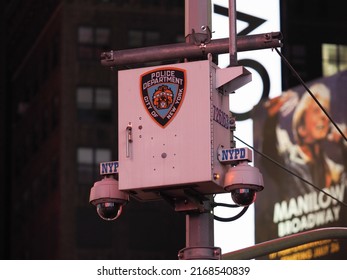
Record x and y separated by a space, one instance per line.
199 226
232 33
197 15
199 231
199 238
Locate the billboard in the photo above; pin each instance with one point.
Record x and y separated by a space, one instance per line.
292 130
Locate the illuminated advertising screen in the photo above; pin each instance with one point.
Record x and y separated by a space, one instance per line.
295 132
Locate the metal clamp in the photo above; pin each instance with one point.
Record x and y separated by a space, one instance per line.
201 39
200 253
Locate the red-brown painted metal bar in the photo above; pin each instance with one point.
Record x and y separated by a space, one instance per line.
189 50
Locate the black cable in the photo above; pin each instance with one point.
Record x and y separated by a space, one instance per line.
309 91
215 204
291 172
239 215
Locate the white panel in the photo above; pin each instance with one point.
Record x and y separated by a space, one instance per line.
178 153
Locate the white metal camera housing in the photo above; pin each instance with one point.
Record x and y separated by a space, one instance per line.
108 199
171 118
243 182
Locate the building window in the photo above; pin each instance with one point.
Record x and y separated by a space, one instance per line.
103 102
88 160
85 165
334 59
92 41
85 35
94 104
142 38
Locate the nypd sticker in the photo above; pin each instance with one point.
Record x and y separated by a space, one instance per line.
162 93
228 156
110 167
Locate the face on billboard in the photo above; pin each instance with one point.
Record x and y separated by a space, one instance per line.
316 123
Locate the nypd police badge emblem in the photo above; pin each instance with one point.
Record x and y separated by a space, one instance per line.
162 93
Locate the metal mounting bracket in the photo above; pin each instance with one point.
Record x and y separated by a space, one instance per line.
200 253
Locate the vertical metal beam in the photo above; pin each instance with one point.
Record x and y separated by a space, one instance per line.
200 238
232 33
199 230
197 14
199 226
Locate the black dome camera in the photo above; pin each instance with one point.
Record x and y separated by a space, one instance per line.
243 182
108 199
